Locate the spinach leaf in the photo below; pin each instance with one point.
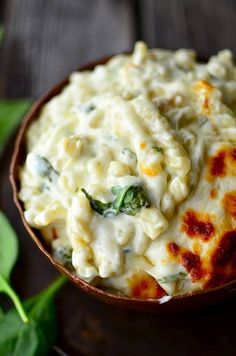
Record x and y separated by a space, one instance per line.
8 247
128 200
11 112
38 335
6 288
45 169
8 256
19 339
1 313
1 33
41 309
173 278
98 206
63 254
90 107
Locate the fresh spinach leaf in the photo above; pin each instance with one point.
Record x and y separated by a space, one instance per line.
128 200
19 339
41 309
7 289
1 33
1 313
8 256
8 247
38 335
173 278
11 112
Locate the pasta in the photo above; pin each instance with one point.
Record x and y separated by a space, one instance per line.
131 169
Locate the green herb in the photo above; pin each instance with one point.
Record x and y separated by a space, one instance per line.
98 206
131 155
158 149
45 169
63 254
1 314
90 107
8 256
38 335
8 247
203 120
174 278
1 33
128 200
11 112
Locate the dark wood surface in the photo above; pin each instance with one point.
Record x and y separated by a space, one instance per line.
45 40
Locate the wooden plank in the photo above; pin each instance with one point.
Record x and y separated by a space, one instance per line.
45 40
206 26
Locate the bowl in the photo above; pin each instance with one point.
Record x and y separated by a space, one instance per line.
177 303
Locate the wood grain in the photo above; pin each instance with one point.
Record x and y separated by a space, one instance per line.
46 40
205 25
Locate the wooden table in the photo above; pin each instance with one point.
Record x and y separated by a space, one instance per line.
43 42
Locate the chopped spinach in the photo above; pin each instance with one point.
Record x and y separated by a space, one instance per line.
45 169
90 107
98 206
203 120
173 278
158 149
128 200
126 250
130 154
63 254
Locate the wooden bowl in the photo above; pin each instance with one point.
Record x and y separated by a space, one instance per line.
178 303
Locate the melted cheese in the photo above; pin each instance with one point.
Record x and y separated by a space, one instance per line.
154 119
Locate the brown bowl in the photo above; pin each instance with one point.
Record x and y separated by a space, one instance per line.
178 303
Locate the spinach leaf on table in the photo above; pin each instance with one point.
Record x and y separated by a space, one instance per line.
1 314
1 33
36 337
8 256
8 247
11 112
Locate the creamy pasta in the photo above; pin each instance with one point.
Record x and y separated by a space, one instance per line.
130 173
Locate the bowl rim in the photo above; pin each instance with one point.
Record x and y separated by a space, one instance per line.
110 298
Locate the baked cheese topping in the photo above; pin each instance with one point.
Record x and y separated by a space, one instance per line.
130 173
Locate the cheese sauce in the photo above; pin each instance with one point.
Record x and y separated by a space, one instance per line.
130 173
